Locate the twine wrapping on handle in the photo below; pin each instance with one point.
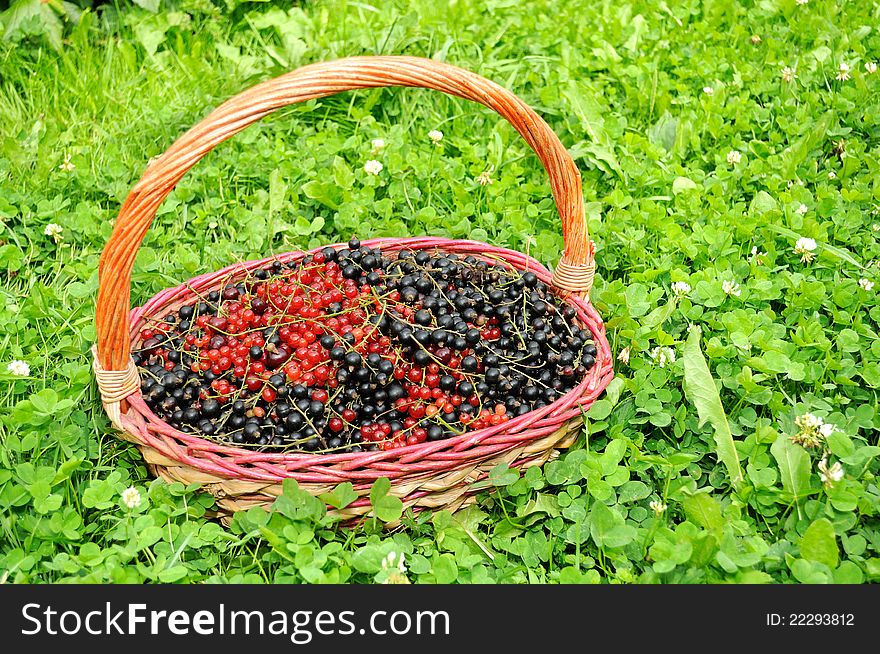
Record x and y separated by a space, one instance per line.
114 386
576 277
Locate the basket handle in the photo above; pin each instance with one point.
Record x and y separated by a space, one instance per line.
575 270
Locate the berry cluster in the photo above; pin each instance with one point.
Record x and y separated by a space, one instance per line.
351 350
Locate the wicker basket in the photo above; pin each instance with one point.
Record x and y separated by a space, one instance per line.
429 475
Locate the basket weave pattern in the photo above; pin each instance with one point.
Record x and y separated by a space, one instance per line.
432 475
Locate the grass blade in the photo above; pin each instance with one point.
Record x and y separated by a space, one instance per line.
835 251
700 389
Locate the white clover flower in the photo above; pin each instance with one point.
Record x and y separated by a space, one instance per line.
390 561
377 144
866 284
757 257
663 355
802 209
708 90
806 247
826 429
812 430
67 166
730 287
55 232
870 67
436 136
876 227
734 157
832 174
809 420
212 224
788 74
843 72
801 2
18 368
373 167
755 39
131 497
623 357
829 475
395 565
485 178
657 507
680 289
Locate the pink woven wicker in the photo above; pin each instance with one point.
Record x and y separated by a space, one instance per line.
430 475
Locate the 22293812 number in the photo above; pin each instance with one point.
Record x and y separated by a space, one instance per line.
821 619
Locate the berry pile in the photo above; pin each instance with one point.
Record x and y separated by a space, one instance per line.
351 350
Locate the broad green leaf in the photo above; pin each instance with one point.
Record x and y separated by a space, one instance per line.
368 558
840 444
811 572
754 577
682 184
151 34
387 508
659 315
502 475
701 391
173 574
639 26
11 257
795 154
22 14
794 466
45 401
600 410
445 569
704 510
341 496
542 503
298 504
571 575
762 203
66 469
848 573
632 491
99 494
607 527
670 550
326 193
819 543
149 536
664 131
150 5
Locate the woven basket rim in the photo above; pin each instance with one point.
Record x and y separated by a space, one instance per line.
562 409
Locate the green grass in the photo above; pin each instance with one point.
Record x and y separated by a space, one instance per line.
622 83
